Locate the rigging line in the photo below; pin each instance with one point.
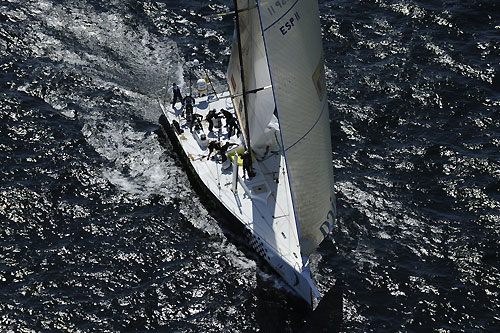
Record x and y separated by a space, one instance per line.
276 202
210 171
285 213
309 130
211 84
216 162
289 191
232 12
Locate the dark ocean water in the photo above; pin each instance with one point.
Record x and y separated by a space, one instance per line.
100 229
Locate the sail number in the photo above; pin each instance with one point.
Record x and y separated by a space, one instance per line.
290 23
278 3
327 225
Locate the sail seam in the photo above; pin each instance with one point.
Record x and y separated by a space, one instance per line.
313 126
281 16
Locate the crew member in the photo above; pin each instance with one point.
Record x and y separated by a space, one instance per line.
247 164
188 105
177 94
228 115
232 127
195 121
212 145
223 150
210 118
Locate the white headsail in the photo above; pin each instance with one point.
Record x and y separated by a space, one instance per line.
292 35
278 44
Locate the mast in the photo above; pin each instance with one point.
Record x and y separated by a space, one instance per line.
245 127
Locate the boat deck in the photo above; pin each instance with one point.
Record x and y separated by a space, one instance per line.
262 203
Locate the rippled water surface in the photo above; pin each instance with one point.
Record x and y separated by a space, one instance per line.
100 229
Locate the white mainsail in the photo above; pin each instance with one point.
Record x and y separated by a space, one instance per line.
257 96
235 83
292 35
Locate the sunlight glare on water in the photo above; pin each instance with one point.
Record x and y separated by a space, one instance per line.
101 229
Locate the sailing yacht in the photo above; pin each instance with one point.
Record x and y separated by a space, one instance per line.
282 192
